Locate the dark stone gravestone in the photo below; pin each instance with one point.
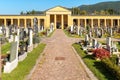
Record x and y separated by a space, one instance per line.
35 21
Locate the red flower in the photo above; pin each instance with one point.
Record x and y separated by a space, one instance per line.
101 53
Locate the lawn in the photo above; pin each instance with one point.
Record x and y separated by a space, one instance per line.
95 66
5 48
51 34
25 66
71 35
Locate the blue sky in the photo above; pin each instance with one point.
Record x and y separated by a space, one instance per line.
16 6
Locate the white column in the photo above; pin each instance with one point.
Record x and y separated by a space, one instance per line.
111 22
11 21
98 22
55 21
38 22
18 22
5 22
118 22
62 21
105 22
31 23
78 22
91 23
25 23
85 23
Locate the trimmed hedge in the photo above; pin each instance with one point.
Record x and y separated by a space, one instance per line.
112 68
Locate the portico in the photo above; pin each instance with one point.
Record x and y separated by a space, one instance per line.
61 17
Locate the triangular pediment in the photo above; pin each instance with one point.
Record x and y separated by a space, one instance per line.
58 9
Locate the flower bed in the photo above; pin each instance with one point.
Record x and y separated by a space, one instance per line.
101 53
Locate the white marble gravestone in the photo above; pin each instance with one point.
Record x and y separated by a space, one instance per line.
51 27
71 28
86 37
1 30
78 30
7 32
30 46
12 64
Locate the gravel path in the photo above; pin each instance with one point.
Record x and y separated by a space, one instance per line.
59 61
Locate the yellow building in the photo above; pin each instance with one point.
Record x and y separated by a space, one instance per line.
61 17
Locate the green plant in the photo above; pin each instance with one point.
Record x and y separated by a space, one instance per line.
5 48
112 68
36 39
95 66
101 53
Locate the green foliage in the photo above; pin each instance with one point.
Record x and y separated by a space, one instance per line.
77 11
95 66
107 8
71 35
51 34
112 68
25 66
33 12
36 39
5 48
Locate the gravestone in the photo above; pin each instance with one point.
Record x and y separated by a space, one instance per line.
51 27
30 37
22 34
90 34
10 30
13 51
13 61
11 38
118 61
78 30
94 43
7 32
30 44
108 43
86 40
35 21
1 30
111 33
81 31
71 29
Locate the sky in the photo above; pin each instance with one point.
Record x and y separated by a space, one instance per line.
16 6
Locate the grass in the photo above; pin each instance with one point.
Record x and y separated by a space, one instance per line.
95 66
25 66
71 35
51 34
5 48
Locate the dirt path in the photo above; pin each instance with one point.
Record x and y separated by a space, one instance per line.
59 61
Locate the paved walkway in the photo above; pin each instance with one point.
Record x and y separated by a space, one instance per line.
59 61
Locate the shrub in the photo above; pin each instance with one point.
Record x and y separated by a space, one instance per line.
101 53
112 68
36 39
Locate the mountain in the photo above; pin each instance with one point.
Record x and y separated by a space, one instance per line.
115 5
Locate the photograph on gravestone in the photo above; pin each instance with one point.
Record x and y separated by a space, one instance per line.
13 51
